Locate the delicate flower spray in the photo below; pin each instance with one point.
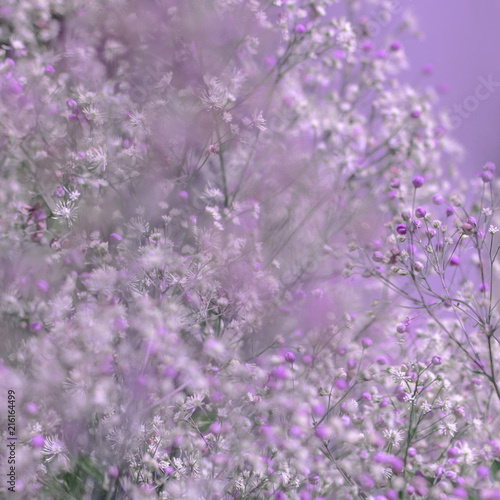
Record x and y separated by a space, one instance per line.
236 260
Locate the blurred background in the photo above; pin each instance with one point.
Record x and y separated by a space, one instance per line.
461 41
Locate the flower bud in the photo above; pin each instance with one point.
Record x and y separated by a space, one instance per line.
437 199
420 212
115 238
437 360
366 342
486 176
418 181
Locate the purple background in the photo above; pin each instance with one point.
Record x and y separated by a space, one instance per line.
462 42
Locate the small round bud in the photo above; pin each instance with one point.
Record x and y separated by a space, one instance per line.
113 472
401 328
428 69
420 212
454 260
31 408
13 86
321 432
280 373
42 286
300 29
340 384
37 441
437 199
483 287
418 181
391 494
486 176
467 228
215 428
35 326
401 229
290 357
395 46
366 342
417 224
450 210
394 183
318 409
483 471
115 238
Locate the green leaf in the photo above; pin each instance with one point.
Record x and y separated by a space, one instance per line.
70 485
495 467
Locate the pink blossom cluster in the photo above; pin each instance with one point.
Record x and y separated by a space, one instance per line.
237 259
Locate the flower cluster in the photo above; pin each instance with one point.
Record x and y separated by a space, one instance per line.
237 260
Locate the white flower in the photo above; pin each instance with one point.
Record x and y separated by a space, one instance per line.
257 120
211 193
448 427
426 407
394 437
93 114
98 160
493 230
55 449
252 44
102 281
397 375
74 195
216 95
67 211
193 402
477 423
